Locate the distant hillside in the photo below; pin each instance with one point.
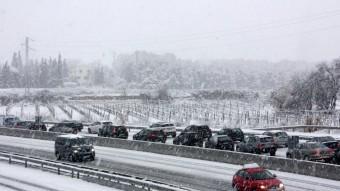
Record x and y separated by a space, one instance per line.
148 71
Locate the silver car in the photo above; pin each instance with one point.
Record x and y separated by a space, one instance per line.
168 128
280 137
94 127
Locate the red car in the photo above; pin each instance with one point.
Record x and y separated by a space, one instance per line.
254 178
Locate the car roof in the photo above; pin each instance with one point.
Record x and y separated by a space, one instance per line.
262 136
114 125
253 170
153 129
218 136
187 132
202 126
252 167
310 142
161 123
70 121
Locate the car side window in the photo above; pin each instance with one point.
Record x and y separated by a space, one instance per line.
246 139
143 132
60 142
246 175
240 173
252 140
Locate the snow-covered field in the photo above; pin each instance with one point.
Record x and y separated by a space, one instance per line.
18 178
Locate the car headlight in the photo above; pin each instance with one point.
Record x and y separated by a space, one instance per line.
281 185
75 151
262 187
92 150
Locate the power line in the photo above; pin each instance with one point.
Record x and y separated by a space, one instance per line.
221 33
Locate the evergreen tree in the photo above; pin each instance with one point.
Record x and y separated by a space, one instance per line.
65 70
44 74
6 76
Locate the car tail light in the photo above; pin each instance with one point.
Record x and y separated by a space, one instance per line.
316 152
331 151
151 136
260 146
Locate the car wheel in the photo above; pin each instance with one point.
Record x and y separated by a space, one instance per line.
89 130
288 155
235 188
72 158
92 157
58 156
238 149
330 160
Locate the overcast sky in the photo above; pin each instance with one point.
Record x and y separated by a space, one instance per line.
195 29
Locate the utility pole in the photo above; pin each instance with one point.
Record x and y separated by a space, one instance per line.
27 80
27 49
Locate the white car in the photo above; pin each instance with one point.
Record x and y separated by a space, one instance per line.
168 128
94 127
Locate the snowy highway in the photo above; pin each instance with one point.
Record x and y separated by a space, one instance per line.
199 174
18 178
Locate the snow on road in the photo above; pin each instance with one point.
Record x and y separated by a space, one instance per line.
15 177
185 166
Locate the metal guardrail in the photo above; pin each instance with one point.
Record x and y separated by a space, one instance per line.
293 127
90 174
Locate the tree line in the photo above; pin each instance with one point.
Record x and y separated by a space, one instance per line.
316 90
145 70
46 73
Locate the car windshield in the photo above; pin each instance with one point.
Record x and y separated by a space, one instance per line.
223 139
266 139
282 134
237 131
325 139
332 145
261 175
80 141
10 120
317 145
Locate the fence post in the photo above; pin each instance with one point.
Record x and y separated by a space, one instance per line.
26 163
10 159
